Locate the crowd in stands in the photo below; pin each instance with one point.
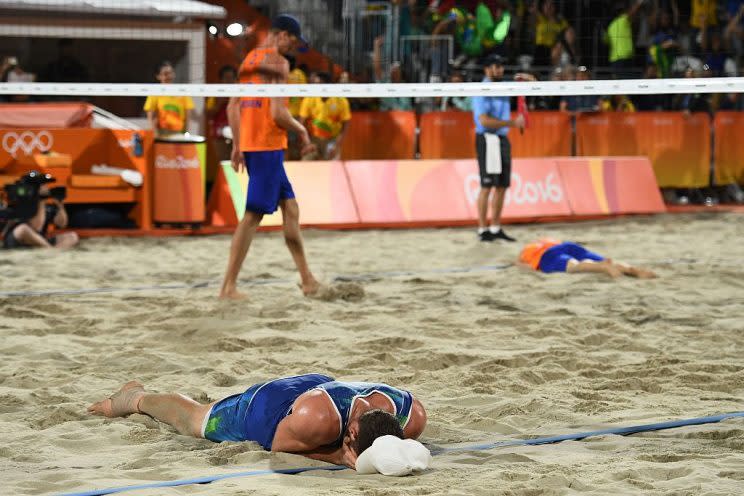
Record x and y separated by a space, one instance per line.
564 40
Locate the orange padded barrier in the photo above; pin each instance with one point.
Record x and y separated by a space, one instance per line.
380 136
447 135
729 148
677 145
607 186
452 135
548 135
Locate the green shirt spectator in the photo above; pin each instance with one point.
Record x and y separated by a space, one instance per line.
620 38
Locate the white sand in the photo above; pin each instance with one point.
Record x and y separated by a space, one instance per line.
492 355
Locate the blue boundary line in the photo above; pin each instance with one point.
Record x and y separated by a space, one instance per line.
370 276
436 451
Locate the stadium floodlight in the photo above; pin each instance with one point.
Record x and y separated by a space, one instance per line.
235 29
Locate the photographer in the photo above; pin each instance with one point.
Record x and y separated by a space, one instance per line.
32 231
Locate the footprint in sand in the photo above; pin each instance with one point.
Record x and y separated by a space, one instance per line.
347 291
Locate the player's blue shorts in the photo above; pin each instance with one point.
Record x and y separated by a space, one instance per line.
268 183
255 414
556 258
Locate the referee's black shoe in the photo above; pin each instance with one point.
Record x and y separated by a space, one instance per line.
487 236
500 234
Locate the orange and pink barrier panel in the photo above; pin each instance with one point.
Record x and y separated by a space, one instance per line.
412 193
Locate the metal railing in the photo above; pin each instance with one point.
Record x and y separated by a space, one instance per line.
424 56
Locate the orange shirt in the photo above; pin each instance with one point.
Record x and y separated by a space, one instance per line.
533 252
258 131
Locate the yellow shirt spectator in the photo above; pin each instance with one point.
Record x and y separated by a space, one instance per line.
297 76
171 111
547 30
326 116
704 8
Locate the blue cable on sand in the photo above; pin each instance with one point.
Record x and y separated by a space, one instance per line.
620 431
369 276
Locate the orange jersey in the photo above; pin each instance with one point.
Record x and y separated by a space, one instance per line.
533 252
258 131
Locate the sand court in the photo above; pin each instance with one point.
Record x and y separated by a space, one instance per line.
492 354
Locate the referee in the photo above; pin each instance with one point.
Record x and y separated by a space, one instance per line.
492 115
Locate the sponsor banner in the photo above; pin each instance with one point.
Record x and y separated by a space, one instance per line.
729 147
610 185
536 189
677 145
178 183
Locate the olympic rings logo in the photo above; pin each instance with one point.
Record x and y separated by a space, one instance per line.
27 142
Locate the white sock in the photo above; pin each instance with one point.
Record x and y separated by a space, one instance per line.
481 230
494 228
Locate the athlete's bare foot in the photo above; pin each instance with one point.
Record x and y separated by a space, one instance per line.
122 403
232 294
310 288
642 273
611 269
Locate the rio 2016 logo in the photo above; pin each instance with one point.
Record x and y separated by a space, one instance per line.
521 192
27 142
177 162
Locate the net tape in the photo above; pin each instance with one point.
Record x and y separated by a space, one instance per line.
387 90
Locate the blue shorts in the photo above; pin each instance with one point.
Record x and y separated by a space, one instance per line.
556 258
255 414
267 181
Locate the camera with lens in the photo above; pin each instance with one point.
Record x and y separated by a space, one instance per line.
21 198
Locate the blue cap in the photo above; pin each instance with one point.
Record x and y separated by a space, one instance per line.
290 24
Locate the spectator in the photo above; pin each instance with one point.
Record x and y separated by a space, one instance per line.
580 103
617 103
716 58
395 76
478 32
649 102
548 25
731 102
168 114
693 102
619 37
704 14
549 102
663 46
565 50
462 103
327 120
297 75
734 32
13 73
66 69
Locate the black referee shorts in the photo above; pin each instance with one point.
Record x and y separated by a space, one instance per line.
502 180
